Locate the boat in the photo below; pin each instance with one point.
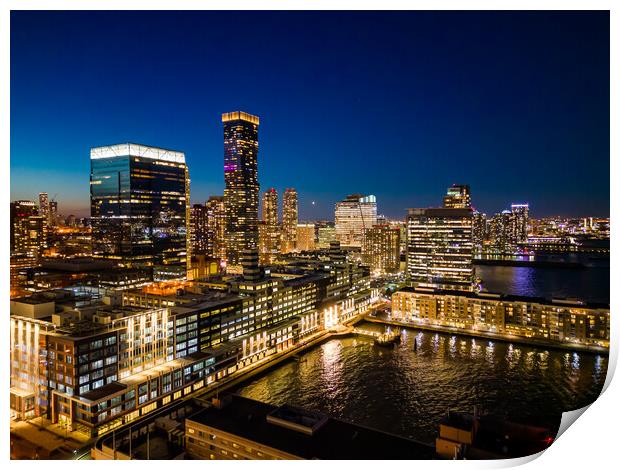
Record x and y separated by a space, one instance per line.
387 339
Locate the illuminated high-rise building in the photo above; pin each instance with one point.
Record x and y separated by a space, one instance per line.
290 218
200 226
241 180
31 236
44 207
326 235
521 215
269 229
501 232
140 208
53 212
479 229
354 215
305 237
457 197
216 227
439 248
20 210
381 248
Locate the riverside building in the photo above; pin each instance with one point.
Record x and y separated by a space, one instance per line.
554 321
440 248
94 359
520 217
140 210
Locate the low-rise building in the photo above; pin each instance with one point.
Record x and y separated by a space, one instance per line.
239 428
555 320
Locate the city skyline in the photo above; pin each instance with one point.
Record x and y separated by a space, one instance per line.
457 136
312 234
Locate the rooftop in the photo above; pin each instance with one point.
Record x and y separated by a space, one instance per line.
240 116
307 434
507 297
137 150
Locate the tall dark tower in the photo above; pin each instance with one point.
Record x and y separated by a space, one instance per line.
139 199
241 180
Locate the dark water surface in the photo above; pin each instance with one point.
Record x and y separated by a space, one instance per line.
407 393
591 284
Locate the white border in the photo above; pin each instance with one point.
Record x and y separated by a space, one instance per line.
590 443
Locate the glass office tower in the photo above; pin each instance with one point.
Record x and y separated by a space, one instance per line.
140 208
241 183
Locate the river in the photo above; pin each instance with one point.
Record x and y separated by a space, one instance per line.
591 284
407 393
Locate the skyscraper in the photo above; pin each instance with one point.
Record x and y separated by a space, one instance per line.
19 211
381 248
439 247
290 217
479 229
216 227
44 207
53 215
457 197
140 208
269 230
199 234
501 231
521 215
241 180
28 230
354 215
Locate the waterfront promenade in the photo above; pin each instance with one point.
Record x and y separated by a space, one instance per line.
567 346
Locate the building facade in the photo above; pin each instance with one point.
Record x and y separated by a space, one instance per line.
306 237
140 210
94 359
216 227
457 197
354 215
556 320
439 247
44 207
241 183
381 249
200 230
290 218
269 230
521 216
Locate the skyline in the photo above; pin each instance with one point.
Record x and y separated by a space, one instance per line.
461 123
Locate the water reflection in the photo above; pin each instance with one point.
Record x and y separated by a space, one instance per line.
407 392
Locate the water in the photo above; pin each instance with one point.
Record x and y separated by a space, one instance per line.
407 393
591 284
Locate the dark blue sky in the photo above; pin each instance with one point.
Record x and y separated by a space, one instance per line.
398 104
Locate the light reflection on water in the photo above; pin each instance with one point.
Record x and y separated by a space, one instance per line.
406 392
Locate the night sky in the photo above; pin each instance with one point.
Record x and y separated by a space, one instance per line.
400 105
